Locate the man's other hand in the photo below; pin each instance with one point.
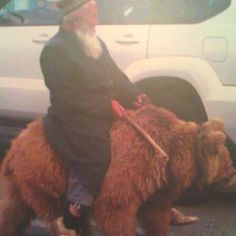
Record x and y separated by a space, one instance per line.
141 100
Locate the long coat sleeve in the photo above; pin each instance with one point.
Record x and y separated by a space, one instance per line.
126 90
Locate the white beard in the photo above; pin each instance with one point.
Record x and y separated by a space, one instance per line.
91 44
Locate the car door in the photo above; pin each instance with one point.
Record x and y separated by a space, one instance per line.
124 26
25 26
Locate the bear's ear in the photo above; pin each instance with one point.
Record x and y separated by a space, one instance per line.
216 137
215 124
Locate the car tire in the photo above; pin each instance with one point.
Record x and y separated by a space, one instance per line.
177 96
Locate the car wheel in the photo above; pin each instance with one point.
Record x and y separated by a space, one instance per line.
177 96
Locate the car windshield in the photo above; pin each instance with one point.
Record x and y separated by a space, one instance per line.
29 12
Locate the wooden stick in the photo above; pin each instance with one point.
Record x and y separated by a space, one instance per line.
145 135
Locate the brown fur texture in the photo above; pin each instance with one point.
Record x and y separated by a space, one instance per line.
139 182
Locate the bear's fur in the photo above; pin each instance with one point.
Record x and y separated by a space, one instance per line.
139 183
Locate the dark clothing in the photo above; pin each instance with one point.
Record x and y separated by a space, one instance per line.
80 116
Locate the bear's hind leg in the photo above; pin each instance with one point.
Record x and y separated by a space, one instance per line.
15 215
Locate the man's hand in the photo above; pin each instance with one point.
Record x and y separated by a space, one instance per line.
141 100
117 109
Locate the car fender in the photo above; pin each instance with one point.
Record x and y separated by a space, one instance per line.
194 70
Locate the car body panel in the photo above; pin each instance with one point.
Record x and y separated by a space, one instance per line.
212 40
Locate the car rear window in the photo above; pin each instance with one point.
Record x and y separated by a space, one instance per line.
30 12
159 11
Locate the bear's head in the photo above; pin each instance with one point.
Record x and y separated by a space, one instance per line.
213 160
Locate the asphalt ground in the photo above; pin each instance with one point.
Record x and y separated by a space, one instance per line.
217 218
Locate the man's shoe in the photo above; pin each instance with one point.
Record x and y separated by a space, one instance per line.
80 224
71 222
86 229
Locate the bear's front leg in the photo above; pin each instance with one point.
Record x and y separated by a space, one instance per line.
154 217
116 222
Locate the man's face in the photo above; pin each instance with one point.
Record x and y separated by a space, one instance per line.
88 14
91 18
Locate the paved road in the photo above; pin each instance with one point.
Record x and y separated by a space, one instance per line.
217 218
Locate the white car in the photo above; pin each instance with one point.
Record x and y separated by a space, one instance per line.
182 53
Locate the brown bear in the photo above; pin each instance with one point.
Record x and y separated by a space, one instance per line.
140 182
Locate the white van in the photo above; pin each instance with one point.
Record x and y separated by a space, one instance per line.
182 53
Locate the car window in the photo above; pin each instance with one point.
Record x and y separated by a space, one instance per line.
45 12
30 12
159 11
188 11
125 11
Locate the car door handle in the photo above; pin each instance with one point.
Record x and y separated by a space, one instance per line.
127 39
40 42
41 39
127 42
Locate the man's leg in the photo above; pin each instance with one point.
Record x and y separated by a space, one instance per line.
76 213
75 220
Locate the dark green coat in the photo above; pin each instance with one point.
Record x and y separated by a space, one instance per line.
79 118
